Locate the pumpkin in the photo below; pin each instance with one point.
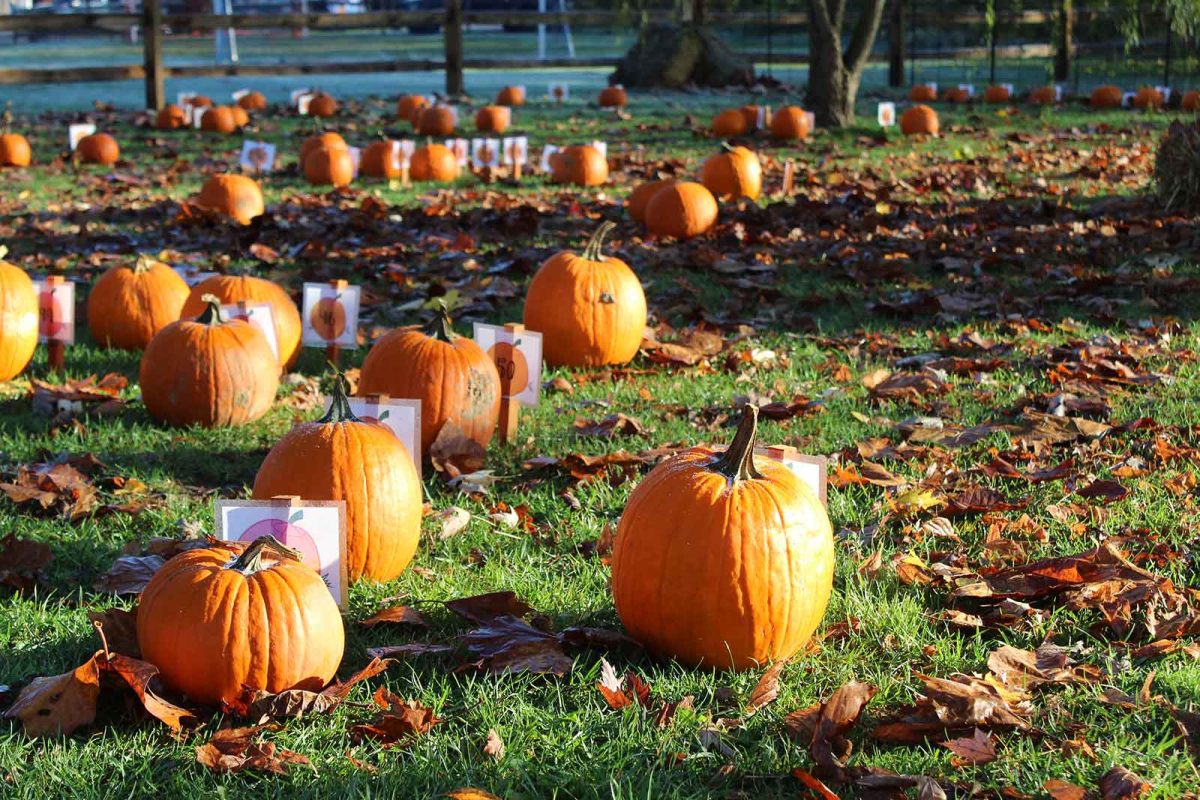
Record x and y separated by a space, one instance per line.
218 119
329 166
452 377
919 119
750 114
14 150
613 97
434 162
1043 96
329 139
322 105
681 209
589 308
99 148
734 173
1148 97
171 118
996 94
723 562
957 95
579 164
18 319
789 122
511 96
730 123
493 119
1190 101
639 198
219 620
252 101
1107 97
922 93
209 371
233 289
380 160
128 305
201 101
409 103
236 196
435 121
340 457
241 117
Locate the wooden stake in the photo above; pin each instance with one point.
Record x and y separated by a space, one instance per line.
404 180
510 407
516 170
789 177
333 353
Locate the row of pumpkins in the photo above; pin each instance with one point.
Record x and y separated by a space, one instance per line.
1106 96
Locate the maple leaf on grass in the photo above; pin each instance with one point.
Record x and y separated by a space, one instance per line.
59 704
976 749
22 562
950 706
1120 783
258 705
493 746
486 607
129 574
404 615
237 749
139 676
620 692
453 453
397 722
830 723
510 644
610 427
1026 669
767 688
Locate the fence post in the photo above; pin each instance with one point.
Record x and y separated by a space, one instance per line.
1064 45
1167 54
454 48
896 44
152 53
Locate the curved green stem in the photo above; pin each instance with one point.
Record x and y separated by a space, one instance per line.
212 313
596 244
442 327
250 561
737 462
339 409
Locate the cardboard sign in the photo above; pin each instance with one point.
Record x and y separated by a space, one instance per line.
515 150
184 98
932 85
257 314
558 92
813 470
1058 92
315 528
302 103
886 115
518 357
56 310
969 88
764 116
485 153
547 151
257 157
1165 91
461 149
355 159
812 120
1008 87
401 416
298 93
601 147
403 150
330 315
239 94
198 115
77 132
192 275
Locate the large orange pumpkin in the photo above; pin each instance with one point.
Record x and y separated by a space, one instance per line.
613 97
99 148
723 562
171 118
329 166
252 101
579 164
789 122
434 162
329 139
730 123
219 620
236 196
322 105
18 319
919 119
641 195
1107 97
734 173
493 119
218 119
922 93
233 289
511 96
380 160
451 376
996 94
14 150
1190 101
435 121
589 308
1043 96
340 457
128 305
409 103
1148 97
209 371
681 209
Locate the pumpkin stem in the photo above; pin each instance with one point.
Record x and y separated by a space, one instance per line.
442 327
594 246
212 314
737 462
250 561
144 262
339 409
727 147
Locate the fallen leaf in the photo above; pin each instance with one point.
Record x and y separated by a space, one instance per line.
22 562
139 676
59 705
454 454
119 629
620 692
814 784
129 574
976 749
1122 784
451 521
494 746
509 644
486 607
403 615
399 721
837 716
1061 790
235 749
766 690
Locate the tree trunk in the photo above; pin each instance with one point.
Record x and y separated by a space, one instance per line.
834 73
1065 41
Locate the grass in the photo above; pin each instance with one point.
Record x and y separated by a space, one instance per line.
1032 254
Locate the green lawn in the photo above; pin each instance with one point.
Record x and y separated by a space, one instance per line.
1023 244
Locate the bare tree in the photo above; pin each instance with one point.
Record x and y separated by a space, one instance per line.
834 71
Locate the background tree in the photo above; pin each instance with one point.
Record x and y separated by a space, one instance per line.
835 71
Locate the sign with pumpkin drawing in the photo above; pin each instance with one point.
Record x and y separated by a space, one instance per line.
331 315
813 470
257 314
517 354
56 310
315 529
402 416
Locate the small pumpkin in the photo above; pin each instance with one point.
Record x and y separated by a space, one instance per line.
1148 97
493 119
721 561
236 196
681 209
789 122
922 93
380 160
613 97
128 305
329 166
511 96
219 620
590 308
409 103
579 164
434 162
98 148
451 375
750 113
201 101
735 172
241 117
340 457
435 121
233 289
919 119
326 139
209 371
996 94
1190 100
14 150
219 119
1107 96
729 124
171 118
252 101
18 319
1043 96
322 105
957 95
640 197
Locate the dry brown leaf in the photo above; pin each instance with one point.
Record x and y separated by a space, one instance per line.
494 746
453 453
399 721
837 716
766 690
486 607
236 749
402 615
1122 784
22 562
976 749
60 704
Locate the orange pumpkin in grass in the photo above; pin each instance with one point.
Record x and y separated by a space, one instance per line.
511 96
450 374
14 150
1148 97
589 308
579 164
743 548
434 162
171 118
729 124
241 117
922 93
435 121
957 95
329 166
681 209
209 371
128 305
340 457
493 119
252 101
1043 96
233 289
99 148
996 94
734 173
789 122
750 114
1107 97
322 105
380 160
613 97
18 319
255 617
328 139
919 119
236 196
1190 100
219 119
409 103
641 195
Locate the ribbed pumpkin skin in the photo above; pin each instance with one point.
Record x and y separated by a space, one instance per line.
201 101
254 101
1148 97
329 166
434 162
434 121
589 312
922 94
511 96
323 105
721 574
230 289
364 464
218 119
312 143
919 119
409 103
581 165
734 173
194 373
99 148
455 382
493 119
729 123
789 122
750 114
14 150
681 209
1107 97
1190 101
996 94
211 630
18 320
379 160
956 95
128 305
171 118
1043 96
235 196
640 197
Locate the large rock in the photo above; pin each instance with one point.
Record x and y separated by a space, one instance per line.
672 56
